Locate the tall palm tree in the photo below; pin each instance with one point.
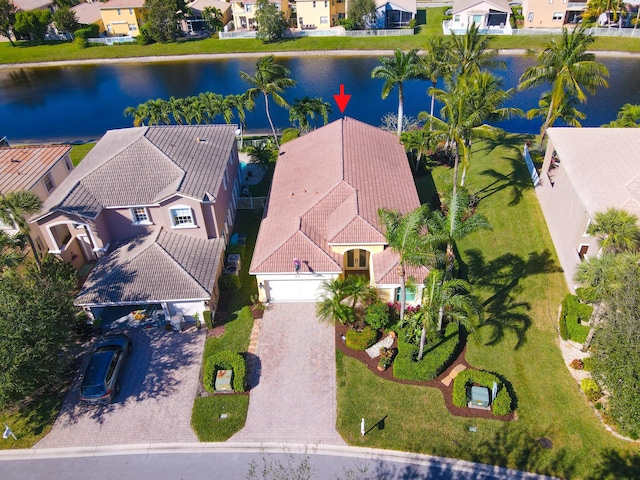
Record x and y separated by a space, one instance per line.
418 143
300 111
435 64
140 114
617 230
407 236
213 17
470 53
177 107
450 295
395 71
158 111
628 116
358 290
14 209
271 79
331 306
240 103
568 68
321 109
262 154
566 111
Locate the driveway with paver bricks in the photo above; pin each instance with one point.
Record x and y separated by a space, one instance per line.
158 388
293 394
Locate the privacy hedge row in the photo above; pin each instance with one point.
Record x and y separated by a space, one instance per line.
501 405
436 359
573 315
208 318
225 360
87 31
361 340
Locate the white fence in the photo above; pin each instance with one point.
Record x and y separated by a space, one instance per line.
330 32
595 31
111 40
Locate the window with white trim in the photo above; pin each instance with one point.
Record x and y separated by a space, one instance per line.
140 216
68 164
558 16
48 183
409 294
247 8
182 216
225 178
530 17
324 20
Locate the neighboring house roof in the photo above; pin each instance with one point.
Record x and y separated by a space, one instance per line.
603 164
88 13
406 5
155 267
22 167
199 5
145 165
327 188
499 5
32 4
122 4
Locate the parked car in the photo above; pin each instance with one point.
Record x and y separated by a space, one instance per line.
101 381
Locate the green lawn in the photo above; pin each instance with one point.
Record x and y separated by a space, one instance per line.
30 422
78 152
517 273
59 51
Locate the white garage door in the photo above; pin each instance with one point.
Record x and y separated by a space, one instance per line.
293 290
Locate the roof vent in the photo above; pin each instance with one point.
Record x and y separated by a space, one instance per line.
15 160
201 140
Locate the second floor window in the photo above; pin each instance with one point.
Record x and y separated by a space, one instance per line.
247 8
557 15
140 216
48 183
182 217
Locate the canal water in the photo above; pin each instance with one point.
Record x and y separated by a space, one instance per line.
77 103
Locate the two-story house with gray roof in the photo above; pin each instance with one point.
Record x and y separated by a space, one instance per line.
154 206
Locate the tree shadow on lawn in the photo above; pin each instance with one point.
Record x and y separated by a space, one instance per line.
614 465
501 278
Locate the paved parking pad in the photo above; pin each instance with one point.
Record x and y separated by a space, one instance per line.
294 397
158 388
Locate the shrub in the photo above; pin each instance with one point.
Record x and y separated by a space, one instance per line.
208 318
225 360
377 315
87 31
591 389
576 364
289 134
587 364
501 405
237 248
361 340
229 283
573 315
412 23
437 357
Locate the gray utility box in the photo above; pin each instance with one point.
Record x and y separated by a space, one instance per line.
223 381
480 397
233 264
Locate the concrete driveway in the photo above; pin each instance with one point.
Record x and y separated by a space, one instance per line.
293 395
158 389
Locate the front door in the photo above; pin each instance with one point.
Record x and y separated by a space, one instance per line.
357 262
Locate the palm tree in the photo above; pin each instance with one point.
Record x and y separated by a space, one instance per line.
271 79
450 295
241 104
262 154
628 116
213 17
617 230
394 71
10 250
158 112
331 307
140 114
418 142
566 111
14 208
358 290
177 107
435 64
568 68
407 235
299 112
322 109
470 53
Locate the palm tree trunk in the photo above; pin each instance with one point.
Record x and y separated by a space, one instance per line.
400 108
545 125
273 130
440 317
423 338
36 256
403 291
456 163
433 104
594 326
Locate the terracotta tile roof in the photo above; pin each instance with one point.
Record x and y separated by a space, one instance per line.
122 4
87 13
327 188
154 267
21 168
145 165
385 269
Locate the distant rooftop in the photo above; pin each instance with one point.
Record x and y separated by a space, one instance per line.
22 167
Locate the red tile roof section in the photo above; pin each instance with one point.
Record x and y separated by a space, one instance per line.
22 167
327 188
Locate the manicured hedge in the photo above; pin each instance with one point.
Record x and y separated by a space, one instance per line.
228 283
573 315
361 340
501 405
87 31
377 315
433 363
208 318
225 360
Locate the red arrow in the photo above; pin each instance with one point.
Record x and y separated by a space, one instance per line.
342 99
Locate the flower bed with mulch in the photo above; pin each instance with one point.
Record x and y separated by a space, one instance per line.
447 391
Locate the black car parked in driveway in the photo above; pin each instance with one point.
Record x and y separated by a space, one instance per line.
101 381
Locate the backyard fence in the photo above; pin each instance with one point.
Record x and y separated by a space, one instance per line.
251 203
111 40
330 32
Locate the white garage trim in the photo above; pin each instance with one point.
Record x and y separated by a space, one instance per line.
290 288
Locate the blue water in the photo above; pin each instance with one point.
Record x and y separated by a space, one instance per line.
82 102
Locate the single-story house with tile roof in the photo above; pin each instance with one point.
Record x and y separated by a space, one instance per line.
38 169
395 13
586 171
152 206
490 16
321 218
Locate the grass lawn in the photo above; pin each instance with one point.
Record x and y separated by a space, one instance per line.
78 152
30 422
205 417
58 51
515 269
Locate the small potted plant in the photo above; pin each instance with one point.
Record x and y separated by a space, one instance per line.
386 357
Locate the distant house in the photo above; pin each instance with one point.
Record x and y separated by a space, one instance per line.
38 169
195 23
586 171
154 207
321 220
320 14
27 5
490 16
123 17
244 12
395 13
551 13
89 13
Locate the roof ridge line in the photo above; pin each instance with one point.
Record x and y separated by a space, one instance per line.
175 260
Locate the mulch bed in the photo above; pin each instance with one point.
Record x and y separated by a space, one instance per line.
447 392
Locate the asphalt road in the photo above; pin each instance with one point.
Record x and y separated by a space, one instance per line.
207 461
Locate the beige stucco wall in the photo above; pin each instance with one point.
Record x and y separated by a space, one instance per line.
122 21
542 12
308 14
566 217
